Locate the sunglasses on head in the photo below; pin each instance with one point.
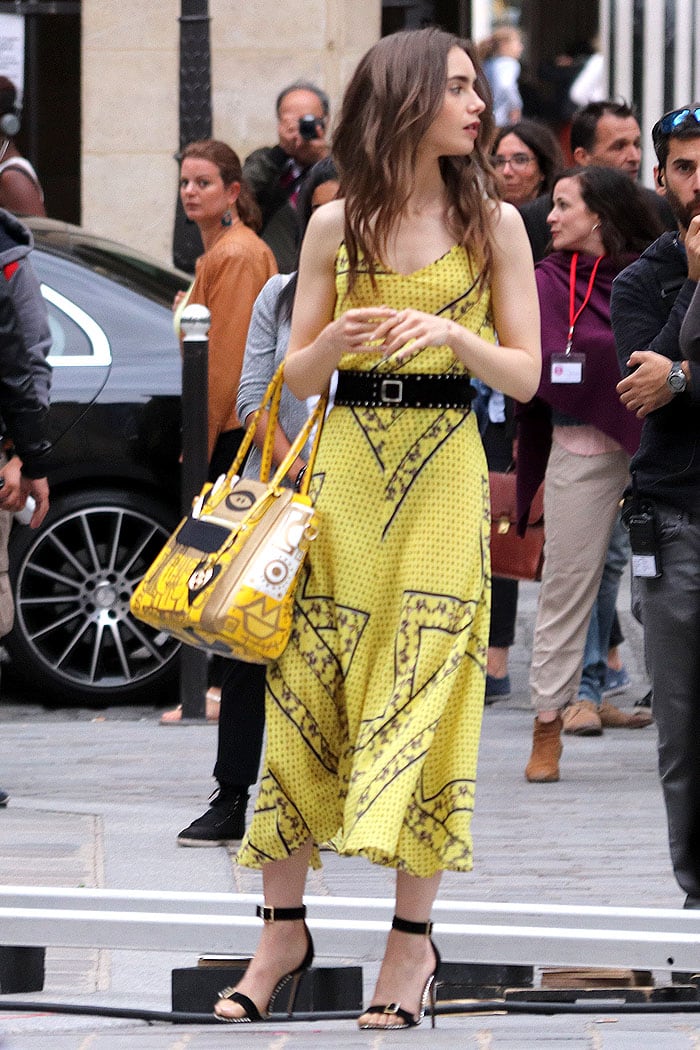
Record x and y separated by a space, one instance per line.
673 120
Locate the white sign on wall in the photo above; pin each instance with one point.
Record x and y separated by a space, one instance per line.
12 51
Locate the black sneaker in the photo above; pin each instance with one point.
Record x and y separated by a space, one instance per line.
222 824
4 798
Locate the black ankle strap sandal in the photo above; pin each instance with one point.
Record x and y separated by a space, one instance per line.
269 913
404 1019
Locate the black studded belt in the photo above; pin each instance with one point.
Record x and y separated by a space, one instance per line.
404 390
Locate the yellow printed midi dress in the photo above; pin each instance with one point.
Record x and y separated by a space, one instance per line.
374 709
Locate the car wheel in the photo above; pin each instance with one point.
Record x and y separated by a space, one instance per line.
74 635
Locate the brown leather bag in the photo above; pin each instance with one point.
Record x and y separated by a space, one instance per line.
515 557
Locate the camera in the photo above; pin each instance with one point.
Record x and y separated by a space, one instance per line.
310 127
640 521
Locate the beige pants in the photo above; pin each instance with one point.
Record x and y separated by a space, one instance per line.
581 499
7 609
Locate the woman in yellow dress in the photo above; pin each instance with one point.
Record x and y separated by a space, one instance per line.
374 710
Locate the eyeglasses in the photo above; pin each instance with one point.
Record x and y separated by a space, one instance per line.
673 120
517 161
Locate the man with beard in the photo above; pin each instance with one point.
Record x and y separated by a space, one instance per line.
649 301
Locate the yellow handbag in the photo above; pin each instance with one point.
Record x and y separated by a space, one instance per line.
225 580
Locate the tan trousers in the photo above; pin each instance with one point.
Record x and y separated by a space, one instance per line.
581 499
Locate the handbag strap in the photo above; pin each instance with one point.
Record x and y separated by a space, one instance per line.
315 419
272 398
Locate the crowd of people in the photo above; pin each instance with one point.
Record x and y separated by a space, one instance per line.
439 242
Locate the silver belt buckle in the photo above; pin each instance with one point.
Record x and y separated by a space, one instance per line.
391 391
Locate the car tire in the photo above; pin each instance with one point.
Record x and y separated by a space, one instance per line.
74 637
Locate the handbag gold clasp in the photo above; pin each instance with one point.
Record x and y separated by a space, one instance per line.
503 526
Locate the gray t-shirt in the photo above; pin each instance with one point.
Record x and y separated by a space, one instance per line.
265 349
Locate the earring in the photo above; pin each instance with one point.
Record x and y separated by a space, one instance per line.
227 218
596 227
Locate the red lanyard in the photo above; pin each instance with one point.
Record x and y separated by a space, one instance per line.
573 313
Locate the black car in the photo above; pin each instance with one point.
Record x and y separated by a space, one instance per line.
115 424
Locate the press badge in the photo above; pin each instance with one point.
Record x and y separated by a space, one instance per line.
567 368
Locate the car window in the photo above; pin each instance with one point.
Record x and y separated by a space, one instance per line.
76 338
134 271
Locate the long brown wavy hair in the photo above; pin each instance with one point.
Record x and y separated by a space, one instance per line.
226 160
392 99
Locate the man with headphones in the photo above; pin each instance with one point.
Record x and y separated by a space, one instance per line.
20 189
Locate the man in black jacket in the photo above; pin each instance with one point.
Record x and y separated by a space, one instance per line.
275 173
649 301
24 443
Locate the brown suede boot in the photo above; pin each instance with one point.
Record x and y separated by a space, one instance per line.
543 767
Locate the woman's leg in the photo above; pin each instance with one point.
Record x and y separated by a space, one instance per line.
409 960
283 944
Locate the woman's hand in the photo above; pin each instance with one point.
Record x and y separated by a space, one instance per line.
411 330
179 296
356 331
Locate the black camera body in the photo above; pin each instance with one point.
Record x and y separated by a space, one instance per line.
639 519
310 127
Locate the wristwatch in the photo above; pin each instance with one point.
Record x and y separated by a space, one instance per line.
676 378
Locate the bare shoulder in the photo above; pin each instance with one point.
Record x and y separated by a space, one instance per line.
507 223
325 231
328 222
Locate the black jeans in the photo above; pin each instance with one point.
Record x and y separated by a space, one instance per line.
241 723
670 613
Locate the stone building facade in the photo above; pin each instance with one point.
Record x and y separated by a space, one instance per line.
130 69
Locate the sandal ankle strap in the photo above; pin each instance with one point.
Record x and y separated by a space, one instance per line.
423 929
270 914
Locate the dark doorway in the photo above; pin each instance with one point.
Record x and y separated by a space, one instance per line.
50 132
451 15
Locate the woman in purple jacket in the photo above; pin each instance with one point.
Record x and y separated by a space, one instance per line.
575 433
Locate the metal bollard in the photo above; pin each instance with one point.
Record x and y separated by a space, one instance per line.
195 416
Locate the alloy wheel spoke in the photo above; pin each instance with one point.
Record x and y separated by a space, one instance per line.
111 559
55 625
114 628
90 543
82 628
136 555
68 554
145 641
47 601
58 577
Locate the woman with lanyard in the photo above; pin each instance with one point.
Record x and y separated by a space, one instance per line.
575 433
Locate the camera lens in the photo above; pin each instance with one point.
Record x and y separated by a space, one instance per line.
309 126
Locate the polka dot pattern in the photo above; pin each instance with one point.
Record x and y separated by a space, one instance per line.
374 709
